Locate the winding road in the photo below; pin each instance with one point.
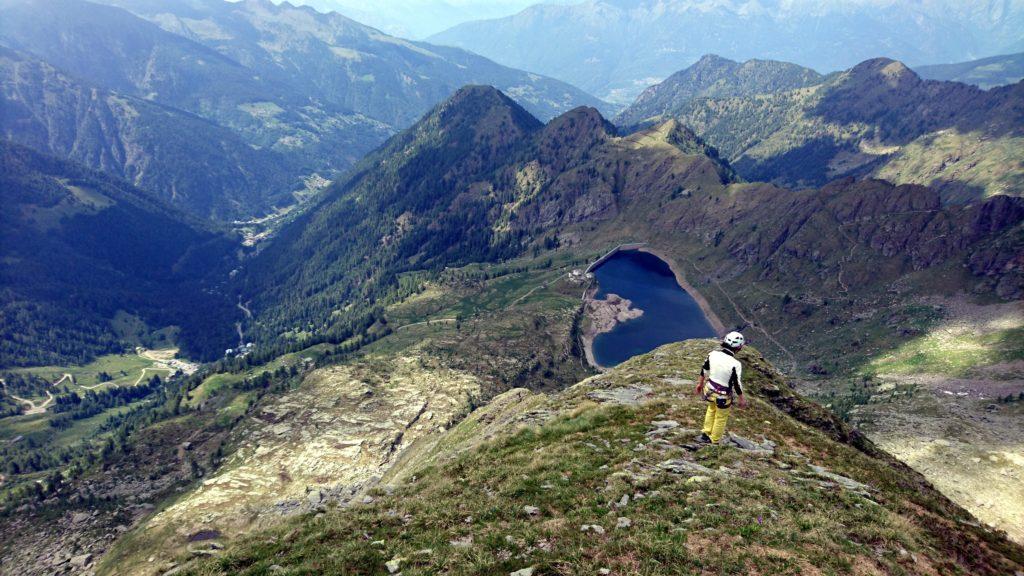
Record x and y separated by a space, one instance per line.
33 408
163 361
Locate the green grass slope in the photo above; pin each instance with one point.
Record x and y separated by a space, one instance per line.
597 478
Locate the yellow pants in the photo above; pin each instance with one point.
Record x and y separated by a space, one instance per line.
714 421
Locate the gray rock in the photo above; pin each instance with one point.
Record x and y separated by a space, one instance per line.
661 427
393 565
848 483
596 529
315 497
531 510
528 571
79 517
766 448
622 523
628 395
81 560
276 568
685 467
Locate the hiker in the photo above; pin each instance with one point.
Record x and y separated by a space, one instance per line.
720 379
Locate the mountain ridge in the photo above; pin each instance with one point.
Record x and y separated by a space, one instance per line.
153 146
586 43
713 76
878 119
303 94
985 72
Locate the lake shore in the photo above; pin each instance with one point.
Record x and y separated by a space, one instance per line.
590 328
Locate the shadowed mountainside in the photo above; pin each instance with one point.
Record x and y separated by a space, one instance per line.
80 247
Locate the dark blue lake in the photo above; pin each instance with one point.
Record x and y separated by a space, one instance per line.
670 313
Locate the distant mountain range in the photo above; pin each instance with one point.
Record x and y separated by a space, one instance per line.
305 92
783 124
984 73
91 263
616 48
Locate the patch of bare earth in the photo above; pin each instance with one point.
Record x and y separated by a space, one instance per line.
953 429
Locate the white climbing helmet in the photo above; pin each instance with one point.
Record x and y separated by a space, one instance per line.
734 340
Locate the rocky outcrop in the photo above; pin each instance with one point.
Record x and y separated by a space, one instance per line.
606 314
323 444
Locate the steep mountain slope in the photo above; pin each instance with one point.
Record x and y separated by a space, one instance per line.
876 118
80 247
345 63
715 77
405 207
984 73
187 160
600 477
616 48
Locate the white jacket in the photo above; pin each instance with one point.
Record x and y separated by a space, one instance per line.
725 373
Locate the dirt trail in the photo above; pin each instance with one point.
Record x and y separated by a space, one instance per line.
238 325
424 322
33 408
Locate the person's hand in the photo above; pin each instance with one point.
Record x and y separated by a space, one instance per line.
700 388
743 401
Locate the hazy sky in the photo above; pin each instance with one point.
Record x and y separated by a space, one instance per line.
417 19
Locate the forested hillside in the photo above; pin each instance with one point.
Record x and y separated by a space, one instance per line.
984 73
80 247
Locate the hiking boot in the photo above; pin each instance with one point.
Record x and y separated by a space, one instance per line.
703 439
